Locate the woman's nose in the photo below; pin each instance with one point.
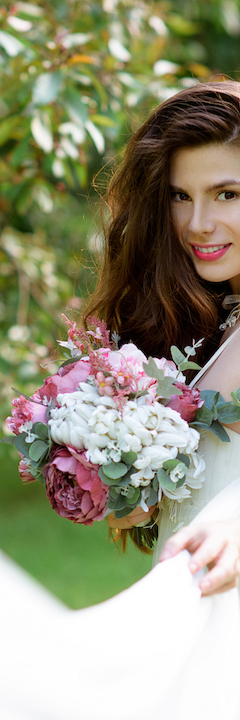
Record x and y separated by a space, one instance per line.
201 220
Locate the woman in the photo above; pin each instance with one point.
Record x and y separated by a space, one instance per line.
159 649
174 238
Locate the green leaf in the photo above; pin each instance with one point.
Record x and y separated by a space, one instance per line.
181 481
41 430
236 397
152 498
123 513
184 459
37 450
189 365
103 120
21 445
114 471
219 431
164 480
114 493
228 412
8 440
7 126
171 464
204 415
210 398
155 482
177 355
165 386
129 457
133 500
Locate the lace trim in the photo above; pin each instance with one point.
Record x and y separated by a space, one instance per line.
234 316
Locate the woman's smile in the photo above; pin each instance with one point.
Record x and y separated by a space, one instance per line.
205 191
208 253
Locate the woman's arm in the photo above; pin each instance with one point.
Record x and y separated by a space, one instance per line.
214 544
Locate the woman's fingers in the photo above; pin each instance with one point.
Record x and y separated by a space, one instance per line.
224 573
186 539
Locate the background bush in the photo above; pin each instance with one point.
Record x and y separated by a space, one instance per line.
77 79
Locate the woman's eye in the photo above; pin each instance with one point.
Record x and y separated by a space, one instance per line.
227 195
179 196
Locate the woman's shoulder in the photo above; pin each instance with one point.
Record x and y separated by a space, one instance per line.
224 374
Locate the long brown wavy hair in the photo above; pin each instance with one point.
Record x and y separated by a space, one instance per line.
148 290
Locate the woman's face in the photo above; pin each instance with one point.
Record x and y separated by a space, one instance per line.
205 191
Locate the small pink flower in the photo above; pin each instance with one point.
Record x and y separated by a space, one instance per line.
187 403
104 384
74 488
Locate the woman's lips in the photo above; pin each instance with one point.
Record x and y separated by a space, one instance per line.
211 254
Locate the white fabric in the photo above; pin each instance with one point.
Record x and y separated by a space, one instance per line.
157 650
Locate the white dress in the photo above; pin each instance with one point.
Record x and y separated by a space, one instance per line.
157 650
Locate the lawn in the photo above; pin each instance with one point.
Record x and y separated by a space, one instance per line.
80 565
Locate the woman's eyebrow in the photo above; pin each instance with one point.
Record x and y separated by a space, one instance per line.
209 188
223 183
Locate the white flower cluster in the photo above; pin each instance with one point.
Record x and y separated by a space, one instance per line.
154 432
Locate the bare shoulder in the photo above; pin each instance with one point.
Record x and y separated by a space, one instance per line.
224 374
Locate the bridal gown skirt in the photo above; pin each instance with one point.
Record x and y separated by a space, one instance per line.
156 650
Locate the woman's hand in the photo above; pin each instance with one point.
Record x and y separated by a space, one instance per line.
212 544
136 516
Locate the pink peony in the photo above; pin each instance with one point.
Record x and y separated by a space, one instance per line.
25 413
74 488
186 404
66 380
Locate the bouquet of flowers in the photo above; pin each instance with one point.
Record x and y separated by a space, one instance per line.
112 430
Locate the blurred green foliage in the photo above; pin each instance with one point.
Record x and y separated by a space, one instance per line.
77 78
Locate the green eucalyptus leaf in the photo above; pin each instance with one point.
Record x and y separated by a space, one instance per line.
189 365
181 482
171 464
41 430
177 355
21 445
114 471
129 457
152 498
210 398
123 513
8 440
236 397
204 415
165 386
184 459
114 493
37 450
219 431
164 480
228 412
104 478
133 499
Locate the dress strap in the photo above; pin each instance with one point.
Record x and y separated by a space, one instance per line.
213 358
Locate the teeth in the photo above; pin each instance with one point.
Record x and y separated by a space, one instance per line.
209 249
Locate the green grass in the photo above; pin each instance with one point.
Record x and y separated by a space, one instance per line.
77 564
